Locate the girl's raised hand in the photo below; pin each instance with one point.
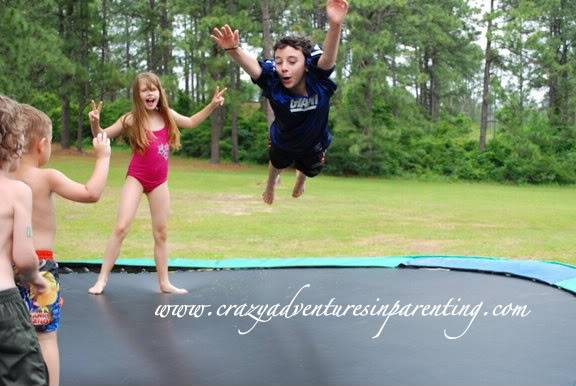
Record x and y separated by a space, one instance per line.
218 97
94 114
225 38
336 11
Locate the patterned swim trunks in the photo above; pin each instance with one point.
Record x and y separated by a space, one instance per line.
44 308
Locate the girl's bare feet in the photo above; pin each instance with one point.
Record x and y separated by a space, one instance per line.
97 288
168 288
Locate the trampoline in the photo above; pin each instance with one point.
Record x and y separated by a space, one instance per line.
522 333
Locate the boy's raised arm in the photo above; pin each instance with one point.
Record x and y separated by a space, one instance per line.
336 11
230 42
91 192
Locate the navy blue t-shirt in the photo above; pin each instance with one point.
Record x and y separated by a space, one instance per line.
301 122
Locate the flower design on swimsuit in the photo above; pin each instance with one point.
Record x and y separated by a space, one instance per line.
164 150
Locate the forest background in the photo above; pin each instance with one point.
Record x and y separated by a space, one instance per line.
470 90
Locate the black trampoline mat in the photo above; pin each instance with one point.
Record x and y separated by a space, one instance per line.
116 339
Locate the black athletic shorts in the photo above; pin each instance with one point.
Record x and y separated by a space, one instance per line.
309 162
21 361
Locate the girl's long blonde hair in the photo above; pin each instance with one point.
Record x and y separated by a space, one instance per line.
137 130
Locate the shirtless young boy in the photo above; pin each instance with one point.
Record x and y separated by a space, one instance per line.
45 310
21 361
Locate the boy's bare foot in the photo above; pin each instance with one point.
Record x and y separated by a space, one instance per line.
271 183
299 185
170 289
268 195
97 288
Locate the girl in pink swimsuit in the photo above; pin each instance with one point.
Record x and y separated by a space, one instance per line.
152 131
151 167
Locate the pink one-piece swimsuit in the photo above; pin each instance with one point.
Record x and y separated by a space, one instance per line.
150 168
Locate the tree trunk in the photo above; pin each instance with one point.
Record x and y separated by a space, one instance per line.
521 79
127 58
393 72
268 54
186 68
217 117
434 97
63 15
193 67
521 87
165 38
83 60
104 48
186 64
191 76
319 14
565 105
104 42
65 133
235 112
340 68
553 78
80 126
216 130
200 89
424 91
369 100
486 86
152 49
558 75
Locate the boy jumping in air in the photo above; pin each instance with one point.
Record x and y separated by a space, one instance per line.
298 87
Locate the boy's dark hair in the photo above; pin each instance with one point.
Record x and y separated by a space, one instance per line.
298 42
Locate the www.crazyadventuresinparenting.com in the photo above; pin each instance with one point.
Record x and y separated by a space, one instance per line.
261 314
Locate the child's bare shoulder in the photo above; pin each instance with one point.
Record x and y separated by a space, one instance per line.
44 174
59 183
20 186
37 179
15 186
42 181
51 177
14 190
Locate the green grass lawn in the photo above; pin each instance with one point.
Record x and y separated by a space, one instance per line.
217 213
